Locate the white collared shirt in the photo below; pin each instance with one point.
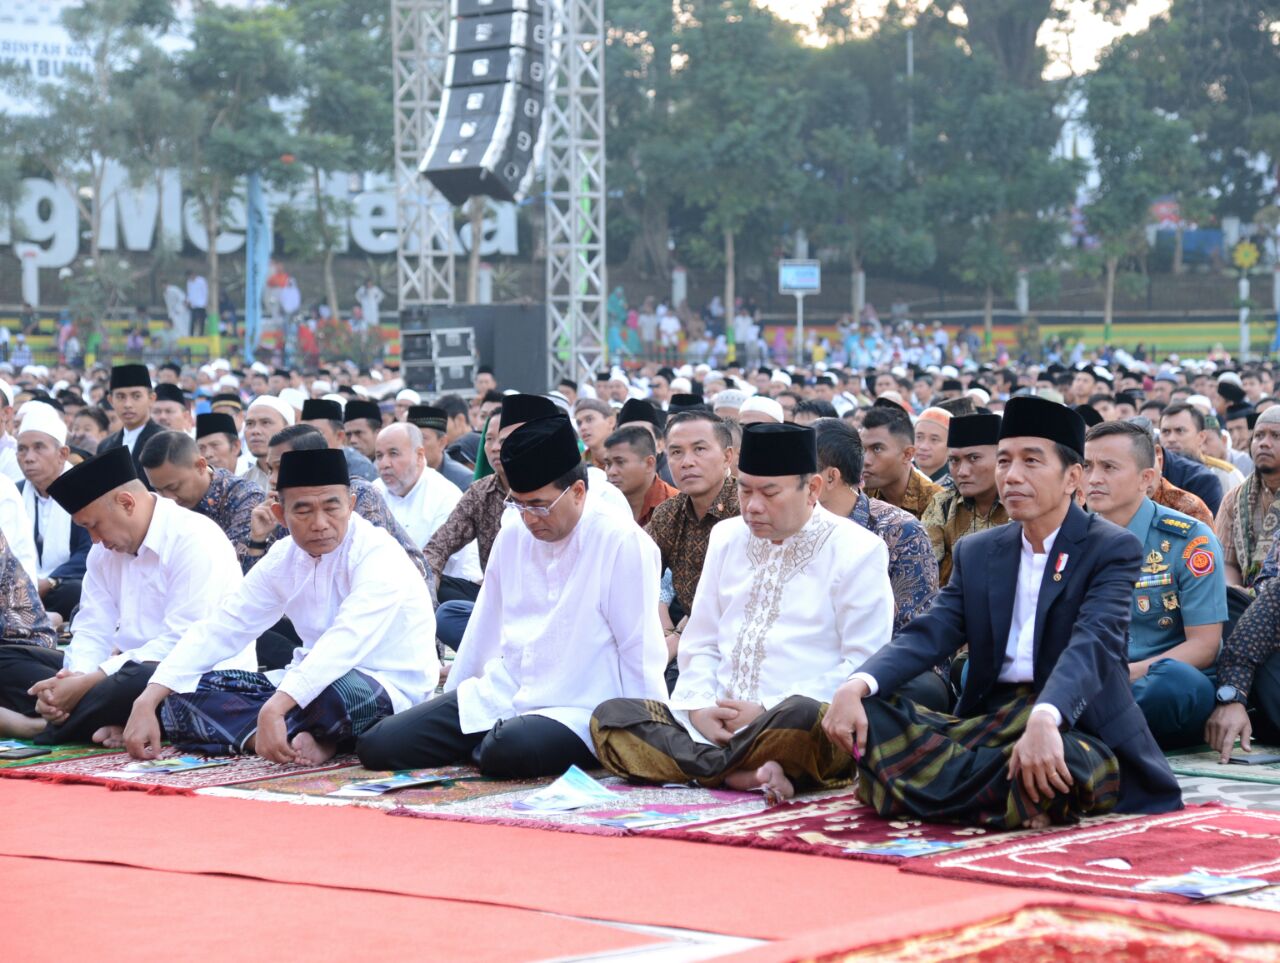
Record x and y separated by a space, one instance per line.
362 606
130 437
1019 650
772 621
134 608
423 509
561 627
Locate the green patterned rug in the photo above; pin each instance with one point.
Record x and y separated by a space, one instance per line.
58 754
1203 762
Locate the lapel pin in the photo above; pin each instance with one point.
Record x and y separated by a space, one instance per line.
1059 566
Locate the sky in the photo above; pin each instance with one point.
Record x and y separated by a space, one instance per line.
1074 47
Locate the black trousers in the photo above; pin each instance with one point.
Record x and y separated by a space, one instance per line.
64 599
431 735
276 645
198 316
107 704
453 589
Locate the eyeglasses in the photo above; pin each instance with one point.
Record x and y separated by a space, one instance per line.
537 511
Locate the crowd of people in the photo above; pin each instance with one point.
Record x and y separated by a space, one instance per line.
988 594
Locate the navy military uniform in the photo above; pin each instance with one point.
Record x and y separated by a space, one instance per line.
1181 584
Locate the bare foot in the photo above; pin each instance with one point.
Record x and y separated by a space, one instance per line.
1038 821
17 726
769 777
110 736
310 752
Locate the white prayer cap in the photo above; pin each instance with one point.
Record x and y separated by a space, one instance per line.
617 374
1201 402
781 377
360 390
898 371
31 369
376 375
729 398
228 381
295 398
820 366
223 363
766 406
702 369
685 371
979 395
331 396
61 386
207 370
1232 377
260 368
949 371
409 395
635 391
38 416
279 405
320 387
6 389
681 386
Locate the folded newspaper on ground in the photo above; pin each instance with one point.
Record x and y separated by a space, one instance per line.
397 780
574 790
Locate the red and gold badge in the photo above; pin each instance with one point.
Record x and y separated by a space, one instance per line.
1200 562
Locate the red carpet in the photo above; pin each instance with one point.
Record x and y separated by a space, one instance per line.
127 914
1111 860
742 892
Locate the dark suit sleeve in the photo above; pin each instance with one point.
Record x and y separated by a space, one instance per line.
1099 633
74 567
928 639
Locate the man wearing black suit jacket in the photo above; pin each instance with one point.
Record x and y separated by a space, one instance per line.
1046 727
132 397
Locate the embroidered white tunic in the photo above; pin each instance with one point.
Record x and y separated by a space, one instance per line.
772 621
561 627
423 509
134 608
362 606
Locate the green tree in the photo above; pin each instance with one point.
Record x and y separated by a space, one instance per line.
78 126
995 187
235 76
1139 154
738 124
344 122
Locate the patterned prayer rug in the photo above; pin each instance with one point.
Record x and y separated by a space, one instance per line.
639 808
1114 859
58 754
842 827
1061 934
108 769
313 788
1203 762
1229 792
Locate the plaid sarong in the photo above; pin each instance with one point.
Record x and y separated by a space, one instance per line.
222 714
641 739
940 768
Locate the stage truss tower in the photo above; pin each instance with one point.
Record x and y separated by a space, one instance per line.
425 271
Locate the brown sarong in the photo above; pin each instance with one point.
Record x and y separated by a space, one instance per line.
640 739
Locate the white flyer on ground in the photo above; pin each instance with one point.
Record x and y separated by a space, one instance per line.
574 790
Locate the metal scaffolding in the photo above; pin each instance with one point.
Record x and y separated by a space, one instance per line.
424 224
574 135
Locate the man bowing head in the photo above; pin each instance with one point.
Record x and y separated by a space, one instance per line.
1046 727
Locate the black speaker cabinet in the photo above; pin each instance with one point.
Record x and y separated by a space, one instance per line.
510 338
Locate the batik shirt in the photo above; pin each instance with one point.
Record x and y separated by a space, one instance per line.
1180 500
23 620
950 517
913 573
682 538
477 517
919 493
1255 639
230 502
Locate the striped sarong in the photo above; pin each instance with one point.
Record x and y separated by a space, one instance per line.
221 715
940 768
641 739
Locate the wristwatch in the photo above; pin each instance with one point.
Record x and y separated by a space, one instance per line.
1228 694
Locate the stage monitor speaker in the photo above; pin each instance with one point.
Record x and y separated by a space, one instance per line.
490 119
510 338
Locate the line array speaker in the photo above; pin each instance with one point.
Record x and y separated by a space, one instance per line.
490 120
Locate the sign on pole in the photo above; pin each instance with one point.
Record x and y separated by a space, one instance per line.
799 278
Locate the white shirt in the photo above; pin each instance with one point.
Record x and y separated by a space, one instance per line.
1019 650
16 526
772 621
561 627
198 292
423 509
9 466
362 606
134 608
130 436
